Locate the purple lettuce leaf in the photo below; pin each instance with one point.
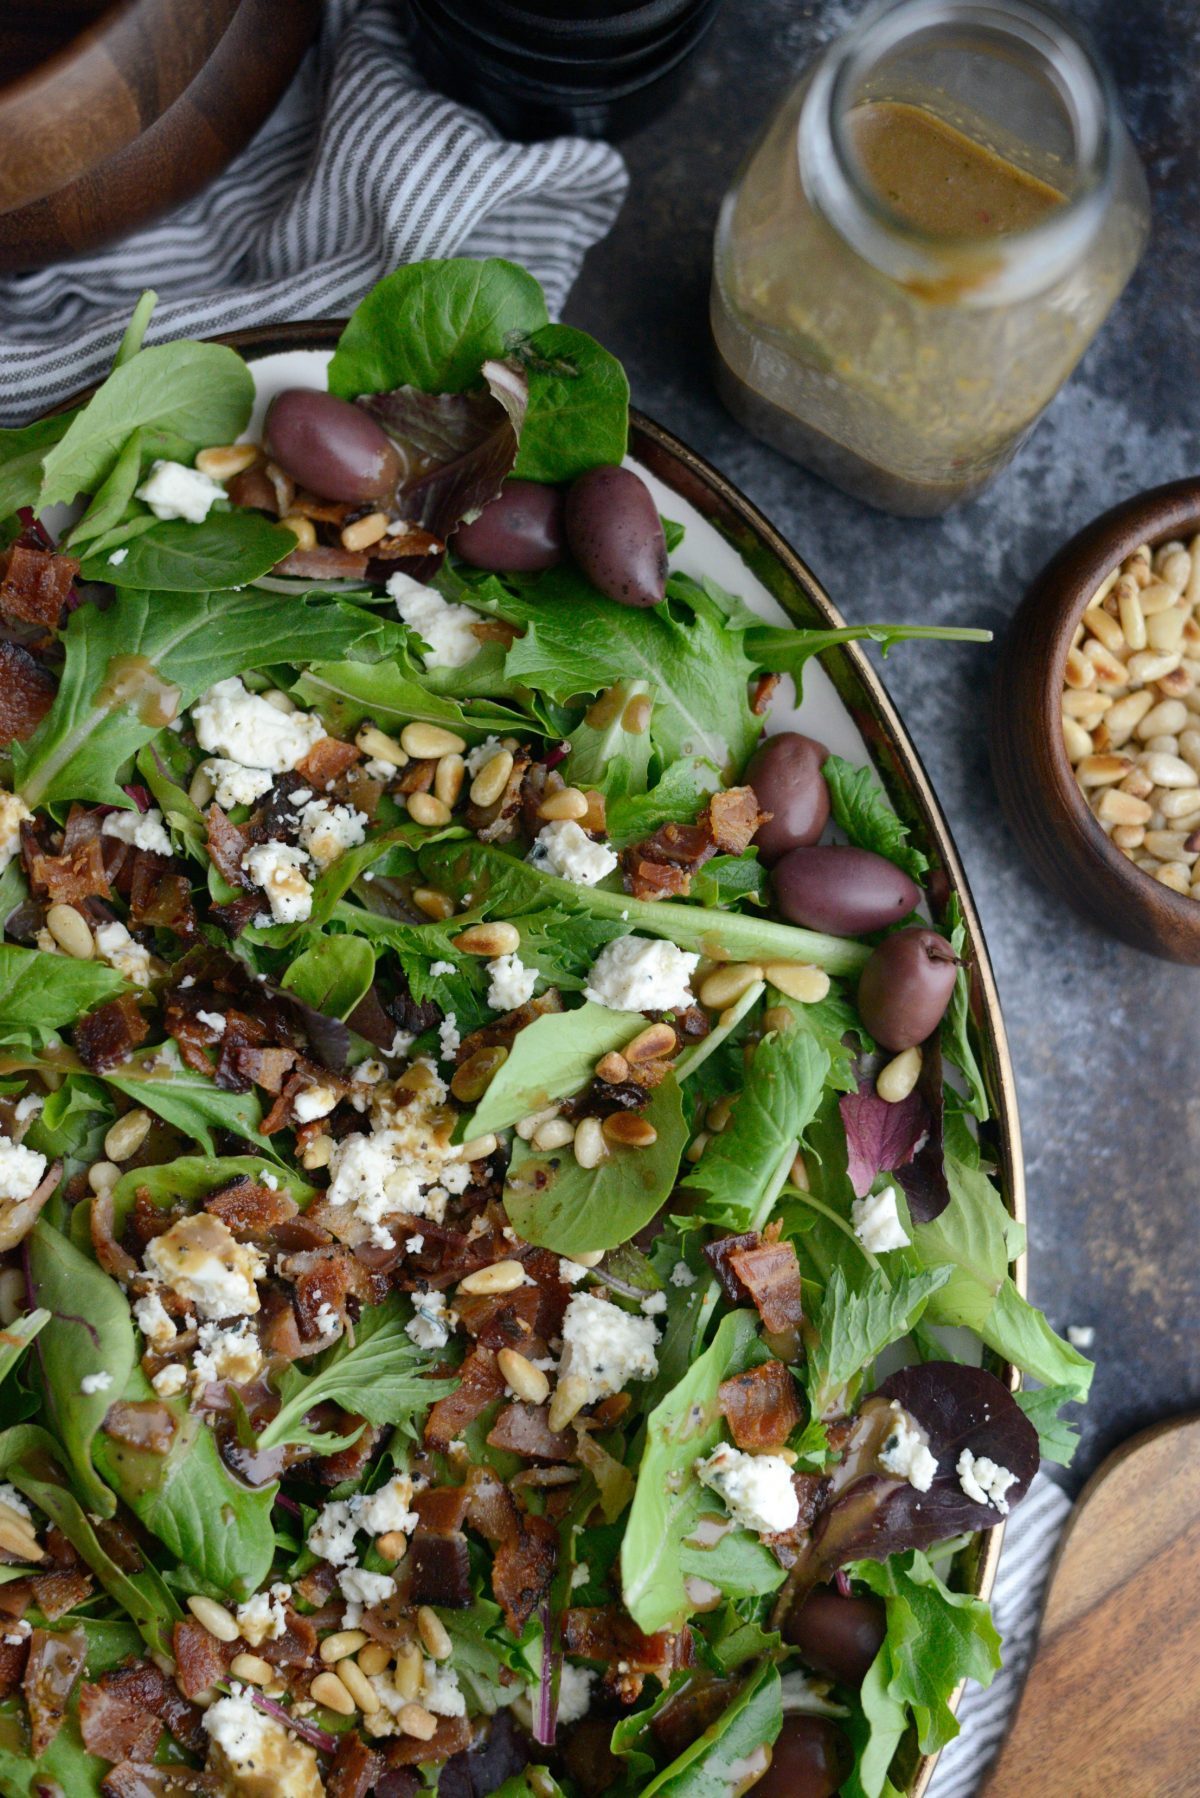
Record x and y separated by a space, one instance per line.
880 1138
924 1179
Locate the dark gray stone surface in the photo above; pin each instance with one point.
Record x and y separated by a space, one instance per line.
1106 1041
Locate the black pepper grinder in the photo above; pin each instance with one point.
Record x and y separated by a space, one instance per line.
589 68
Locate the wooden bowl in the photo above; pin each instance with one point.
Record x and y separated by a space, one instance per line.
115 110
1038 789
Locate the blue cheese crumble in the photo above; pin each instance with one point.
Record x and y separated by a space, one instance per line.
640 973
605 1346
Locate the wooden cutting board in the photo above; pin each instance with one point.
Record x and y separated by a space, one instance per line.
1111 1707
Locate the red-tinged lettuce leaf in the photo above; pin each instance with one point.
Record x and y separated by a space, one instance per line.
924 1179
881 1138
458 447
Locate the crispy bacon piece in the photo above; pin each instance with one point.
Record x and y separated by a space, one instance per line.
13 1656
296 1647
733 818
35 584
227 845
348 1463
141 1423
233 916
764 692
437 1569
324 562
328 1276
500 1319
267 1068
144 1779
717 1255
254 489
57 1593
356 1769
770 1274
328 758
55 1662
160 897
604 1633
200 1659
760 1406
26 693
110 1034
525 1548
480 1384
523 1430
452 1736
251 1210
663 863
67 879
442 1508
120 1714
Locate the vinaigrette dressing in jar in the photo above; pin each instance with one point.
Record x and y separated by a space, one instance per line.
923 243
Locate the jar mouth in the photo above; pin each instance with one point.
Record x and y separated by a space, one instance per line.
974 268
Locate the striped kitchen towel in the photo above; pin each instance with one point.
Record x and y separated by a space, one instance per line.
359 168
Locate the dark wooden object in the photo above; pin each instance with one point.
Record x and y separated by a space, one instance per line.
1038 790
1111 1701
115 112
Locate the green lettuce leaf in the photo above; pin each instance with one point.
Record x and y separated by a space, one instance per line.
157 1078
41 993
549 1058
783 1085
853 1327
333 976
750 1724
577 416
172 556
863 813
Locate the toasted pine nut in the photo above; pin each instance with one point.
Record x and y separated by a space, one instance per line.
895 1081
373 1657
799 980
479 1147
302 529
1110 672
1104 628
697 1146
568 1399
127 1135
555 1133
103 1176
1167 716
719 1113
343 1642
433 1633
1076 740
214 1618
1167 770
589 1145
651 1044
527 1125
393 1546
359 1687
629 1130
409 1676
448 779
798 1175
429 742
379 747
1115 807
527 1381
488 939
1128 836
1088 707
1129 611
317 1152
1103 770
1156 597
501 1276
1079 671
253 1668
613 1068
426 810
328 1690
1174 875
433 903
201 789
1138 783
225 460
365 531
568 802
492 778
727 983
415 1720
1150 666
71 931
1169 845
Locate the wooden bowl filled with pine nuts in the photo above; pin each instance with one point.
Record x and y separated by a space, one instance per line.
1096 722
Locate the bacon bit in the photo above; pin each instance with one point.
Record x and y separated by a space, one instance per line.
438 1569
406 541
55 1663
651 879
200 1660
110 1034
296 1647
452 1736
321 511
771 1276
523 1430
141 1423
12 1665
146 1779
35 584
760 1406
254 489
734 816
663 863
523 1569
26 693
500 1319
356 1769
66 879
442 1509
159 897
326 760
348 1463
481 1382
764 692
324 562
328 1276
233 916
250 1209
109 1253
119 1714
418 777
58 1593
603 1633
227 845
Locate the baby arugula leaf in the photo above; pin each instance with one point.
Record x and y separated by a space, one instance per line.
669 1499
783 1085
381 1377
675 799
863 813
1057 1437
110 502
555 1203
577 413
853 1327
149 655
173 556
41 993
554 1055
22 453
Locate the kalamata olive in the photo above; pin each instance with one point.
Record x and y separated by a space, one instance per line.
838 1636
331 447
520 532
842 891
785 773
615 534
811 1758
905 988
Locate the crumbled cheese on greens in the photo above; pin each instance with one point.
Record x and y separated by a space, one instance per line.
142 830
641 973
244 727
566 850
445 627
605 1346
906 1451
21 1170
757 1489
984 1480
172 490
510 982
877 1223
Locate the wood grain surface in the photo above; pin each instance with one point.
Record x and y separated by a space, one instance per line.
1112 1700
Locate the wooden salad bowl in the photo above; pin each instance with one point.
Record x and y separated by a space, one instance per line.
1038 790
115 110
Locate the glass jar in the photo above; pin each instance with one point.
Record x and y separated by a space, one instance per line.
924 241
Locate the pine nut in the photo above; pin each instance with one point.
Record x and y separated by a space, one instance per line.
415 1720
214 1618
16 1534
1128 836
1150 666
127 1135
798 1174
651 1044
409 1677
479 1147
1076 740
1164 632
201 789
777 1019
393 1546
1115 807
488 939
1105 587
1158 597
1167 770
556 1133
568 802
798 980
302 529
492 778
434 904
1167 716
433 1633
225 460
629 1130
501 1276
719 1113
316 1153
897 1080
103 1176
328 1690
1169 845
448 779
1102 770
589 1145
252 1668
1110 672
526 1126
425 810
1129 611
727 983
1087 707
1179 802
1175 876
429 742
590 1257
527 1381
1173 565
365 531
1079 672
343 1642
1104 628
359 1687
1189 746
613 1068
697 1146
1162 745
569 1398
71 931
373 1657
379 747
283 702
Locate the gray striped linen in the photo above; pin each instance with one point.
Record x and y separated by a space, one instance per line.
359 168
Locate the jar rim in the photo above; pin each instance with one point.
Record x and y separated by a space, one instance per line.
979 269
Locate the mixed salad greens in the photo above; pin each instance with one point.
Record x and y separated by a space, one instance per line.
483 1192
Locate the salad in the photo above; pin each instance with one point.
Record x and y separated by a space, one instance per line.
500 1281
